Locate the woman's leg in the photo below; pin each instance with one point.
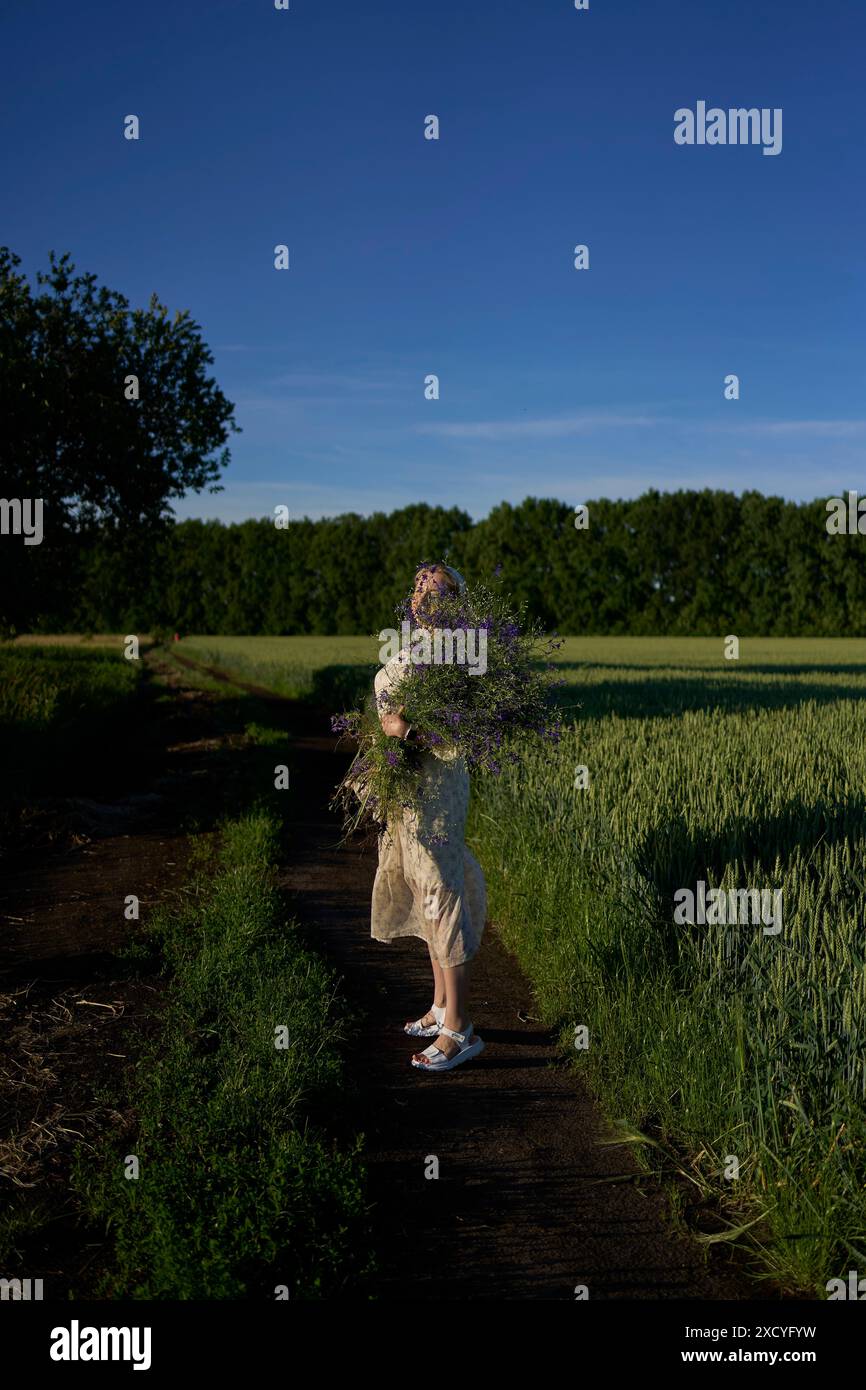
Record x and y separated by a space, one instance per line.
456 998
439 996
439 986
456 979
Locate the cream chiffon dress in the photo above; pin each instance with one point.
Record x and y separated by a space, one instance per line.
428 883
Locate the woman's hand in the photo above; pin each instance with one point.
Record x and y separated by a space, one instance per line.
394 724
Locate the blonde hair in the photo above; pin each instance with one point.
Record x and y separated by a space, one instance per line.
451 577
448 579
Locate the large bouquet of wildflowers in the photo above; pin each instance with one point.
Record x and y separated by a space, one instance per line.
475 676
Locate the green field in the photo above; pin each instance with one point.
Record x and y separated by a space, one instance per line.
710 1043
64 707
303 668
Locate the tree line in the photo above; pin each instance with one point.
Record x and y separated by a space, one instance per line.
687 563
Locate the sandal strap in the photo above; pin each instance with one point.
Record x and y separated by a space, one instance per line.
435 1011
458 1037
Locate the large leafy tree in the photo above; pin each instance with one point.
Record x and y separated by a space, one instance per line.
96 446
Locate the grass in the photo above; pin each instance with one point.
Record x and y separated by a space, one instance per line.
241 1190
92 642
63 708
316 669
43 688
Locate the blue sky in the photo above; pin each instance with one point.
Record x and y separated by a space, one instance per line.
455 257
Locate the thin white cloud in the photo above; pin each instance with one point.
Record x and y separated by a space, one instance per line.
303 381
550 427
815 429
561 426
295 405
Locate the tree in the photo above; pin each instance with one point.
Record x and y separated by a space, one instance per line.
98 447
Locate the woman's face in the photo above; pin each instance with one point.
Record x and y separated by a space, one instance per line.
426 581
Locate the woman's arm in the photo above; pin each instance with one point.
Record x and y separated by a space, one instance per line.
393 723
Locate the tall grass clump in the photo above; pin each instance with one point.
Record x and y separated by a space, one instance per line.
242 1188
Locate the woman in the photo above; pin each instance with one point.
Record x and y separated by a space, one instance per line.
428 884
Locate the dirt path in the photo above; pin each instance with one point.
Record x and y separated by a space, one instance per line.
523 1207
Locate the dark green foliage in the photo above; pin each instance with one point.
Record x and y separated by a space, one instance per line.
73 437
679 564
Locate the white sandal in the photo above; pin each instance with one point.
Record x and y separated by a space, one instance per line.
437 1060
427 1030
